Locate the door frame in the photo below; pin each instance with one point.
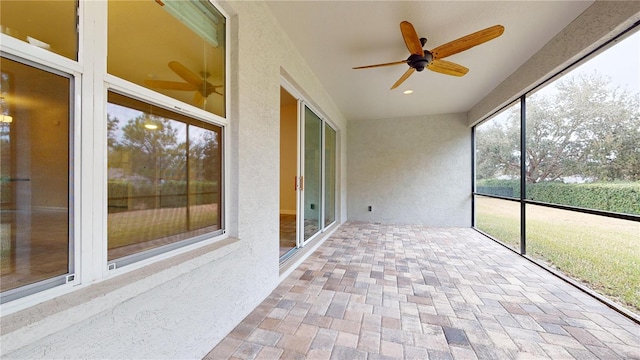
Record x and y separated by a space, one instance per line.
302 102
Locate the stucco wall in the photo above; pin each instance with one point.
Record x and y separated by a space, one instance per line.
411 170
181 307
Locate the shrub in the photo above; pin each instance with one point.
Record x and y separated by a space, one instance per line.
614 197
508 188
127 195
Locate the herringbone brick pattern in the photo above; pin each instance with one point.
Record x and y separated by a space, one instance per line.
376 291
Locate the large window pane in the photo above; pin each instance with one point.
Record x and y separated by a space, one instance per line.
174 47
498 154
312 173
601 252
205 187
330 175
500 219
583 134
165 177
51 25
34 169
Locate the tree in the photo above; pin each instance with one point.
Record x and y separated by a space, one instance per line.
498 147
586 128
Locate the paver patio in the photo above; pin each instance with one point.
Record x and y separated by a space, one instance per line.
375 291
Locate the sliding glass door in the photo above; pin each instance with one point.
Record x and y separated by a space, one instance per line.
308 148
311 183
329 175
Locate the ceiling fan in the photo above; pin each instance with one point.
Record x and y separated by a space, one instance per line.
432 60
194 82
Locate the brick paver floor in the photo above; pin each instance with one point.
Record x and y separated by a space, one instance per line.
376 291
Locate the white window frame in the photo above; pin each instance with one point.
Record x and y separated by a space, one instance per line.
88 189
113 83
45 60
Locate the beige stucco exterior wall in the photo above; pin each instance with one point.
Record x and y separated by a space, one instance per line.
411 170
182 306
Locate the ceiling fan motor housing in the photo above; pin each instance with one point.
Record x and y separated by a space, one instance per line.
419 62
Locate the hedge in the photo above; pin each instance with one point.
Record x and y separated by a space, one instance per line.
508 188
614 197
124 195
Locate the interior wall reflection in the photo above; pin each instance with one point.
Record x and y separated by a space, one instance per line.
34 22
288 172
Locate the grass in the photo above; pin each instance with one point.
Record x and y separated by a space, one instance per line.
603 253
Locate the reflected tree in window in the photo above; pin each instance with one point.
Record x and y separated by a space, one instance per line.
157 150
165 172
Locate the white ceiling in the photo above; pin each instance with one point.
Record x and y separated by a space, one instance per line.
334 36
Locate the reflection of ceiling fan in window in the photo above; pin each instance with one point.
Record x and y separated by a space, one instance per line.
194 82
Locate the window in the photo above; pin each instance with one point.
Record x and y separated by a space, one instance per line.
174 47
330 175
33 21
574 203
164 164
35 177
165 177
163 113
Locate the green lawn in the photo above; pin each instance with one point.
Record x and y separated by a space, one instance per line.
602 252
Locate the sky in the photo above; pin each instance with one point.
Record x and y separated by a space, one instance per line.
620 63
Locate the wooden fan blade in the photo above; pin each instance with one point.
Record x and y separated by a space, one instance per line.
185 73
379 65
170 85
404 77
467 42
210 89
411 38
198 99
447 67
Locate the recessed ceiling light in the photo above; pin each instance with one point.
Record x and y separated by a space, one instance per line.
407 92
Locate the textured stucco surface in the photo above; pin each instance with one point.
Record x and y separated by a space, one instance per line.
183 311
595 26
411 170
